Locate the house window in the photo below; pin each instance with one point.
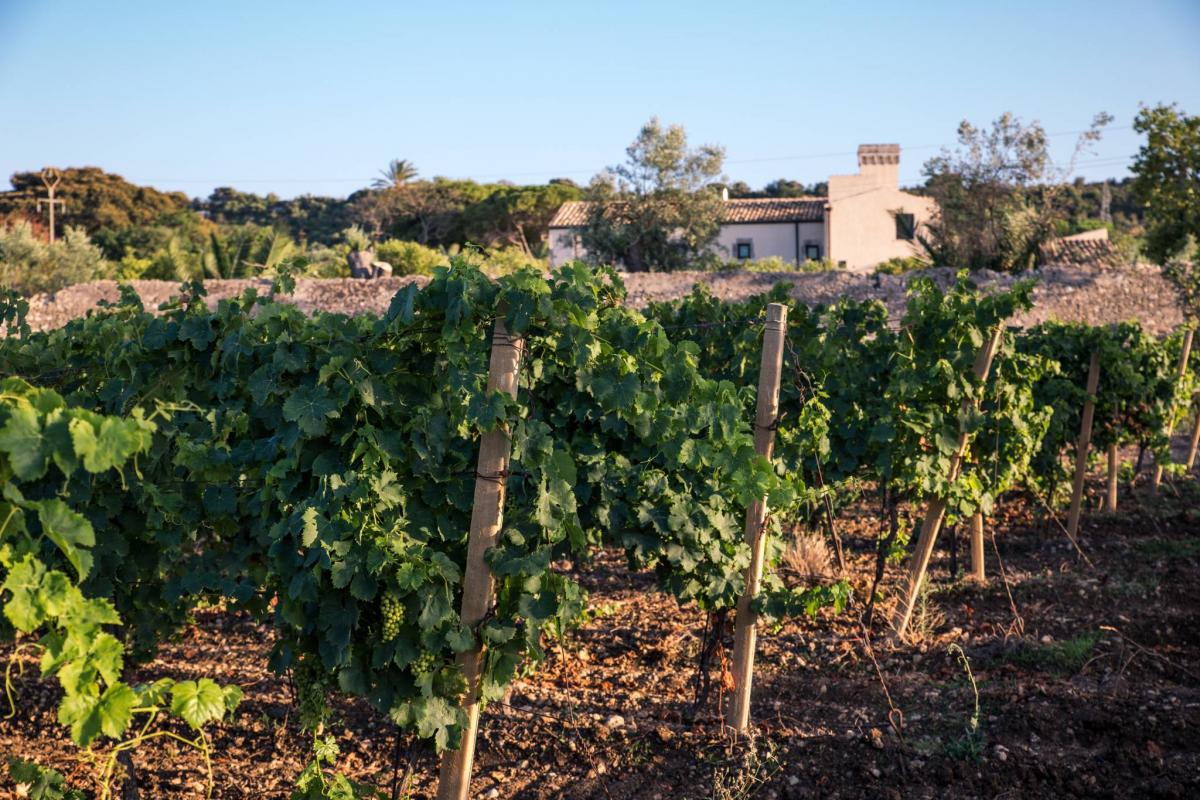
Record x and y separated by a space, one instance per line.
744 249
812 252
906 227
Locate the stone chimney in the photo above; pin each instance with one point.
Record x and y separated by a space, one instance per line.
880 163
725 193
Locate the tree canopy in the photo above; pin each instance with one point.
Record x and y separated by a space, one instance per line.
998 194
93 199
1167 178
659 209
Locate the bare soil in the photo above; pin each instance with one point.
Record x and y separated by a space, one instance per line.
1088 684
1068 293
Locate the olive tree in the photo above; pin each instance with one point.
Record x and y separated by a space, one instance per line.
997 194
658 210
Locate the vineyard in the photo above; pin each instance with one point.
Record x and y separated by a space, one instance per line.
513 538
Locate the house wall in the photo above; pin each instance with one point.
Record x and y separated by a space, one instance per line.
768 239
565 246
862 223
771 239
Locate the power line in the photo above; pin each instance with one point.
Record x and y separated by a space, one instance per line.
593 171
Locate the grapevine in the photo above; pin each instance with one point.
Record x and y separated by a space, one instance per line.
317 472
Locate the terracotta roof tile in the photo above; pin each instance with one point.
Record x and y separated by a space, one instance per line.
574 213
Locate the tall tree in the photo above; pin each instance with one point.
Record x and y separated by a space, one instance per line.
517 215
1167 180
429 212
398 172
657 210
997 195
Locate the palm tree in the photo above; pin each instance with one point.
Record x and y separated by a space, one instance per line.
399 171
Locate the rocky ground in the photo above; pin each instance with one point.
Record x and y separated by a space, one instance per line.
1066 293
1086 676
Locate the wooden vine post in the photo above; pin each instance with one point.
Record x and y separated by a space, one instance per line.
478 584
1184 351
1114 466
744 631
1082 444
977 570
1195 444
935 512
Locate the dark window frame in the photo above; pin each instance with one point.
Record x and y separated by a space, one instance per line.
812 251
906 227
737 249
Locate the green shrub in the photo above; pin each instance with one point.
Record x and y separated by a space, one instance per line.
356 238
510 259
779 264
327 262
899 266
30 265
410 258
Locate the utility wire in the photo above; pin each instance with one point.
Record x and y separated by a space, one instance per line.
758 160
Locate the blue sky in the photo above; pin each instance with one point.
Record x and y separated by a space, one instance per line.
318 96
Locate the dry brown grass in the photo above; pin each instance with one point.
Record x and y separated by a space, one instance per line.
807 555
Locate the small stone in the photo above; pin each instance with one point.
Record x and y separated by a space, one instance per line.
491 793
615 721
1001 752
664 733
876 737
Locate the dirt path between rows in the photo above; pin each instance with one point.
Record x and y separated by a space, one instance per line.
1098 699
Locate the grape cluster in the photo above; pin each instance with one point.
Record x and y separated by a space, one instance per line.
425 663
393 616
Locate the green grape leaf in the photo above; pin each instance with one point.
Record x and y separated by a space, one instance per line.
116 709
79 712
309 407
197 330
70 531
198 702
233 697
435 717
39 783
22 440
110 447
154 694
26 607
89 715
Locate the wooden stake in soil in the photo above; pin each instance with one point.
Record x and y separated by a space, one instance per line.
1082 445
935 512
1195 444
1114 465
977 571
744 632
1180 371
478 584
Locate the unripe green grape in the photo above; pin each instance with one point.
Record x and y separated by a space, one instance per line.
425 663
393 616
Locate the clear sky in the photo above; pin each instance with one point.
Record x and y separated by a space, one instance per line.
318 96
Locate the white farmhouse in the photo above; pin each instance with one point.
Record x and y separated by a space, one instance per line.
865 220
